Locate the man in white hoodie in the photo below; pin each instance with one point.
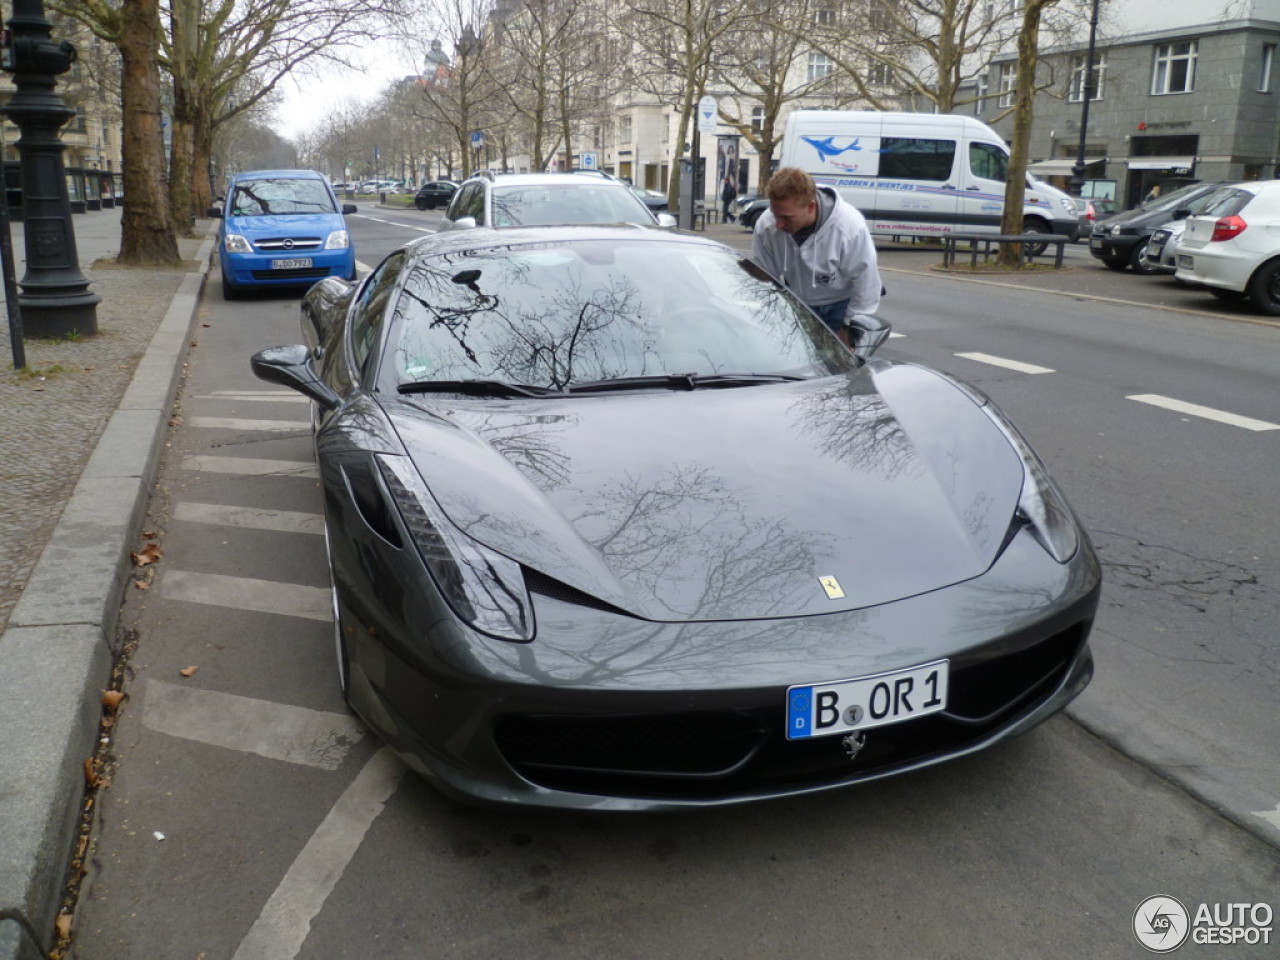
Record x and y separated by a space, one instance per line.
819 247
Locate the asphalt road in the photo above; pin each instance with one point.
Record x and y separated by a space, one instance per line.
250 817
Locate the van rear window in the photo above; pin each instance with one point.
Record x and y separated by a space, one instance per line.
915 158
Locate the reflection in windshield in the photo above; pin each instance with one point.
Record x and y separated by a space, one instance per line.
553 315
277 195
588 202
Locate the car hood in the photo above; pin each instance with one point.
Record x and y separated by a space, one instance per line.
286 225
727 504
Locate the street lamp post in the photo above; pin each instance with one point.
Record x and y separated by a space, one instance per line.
55 298
1078 168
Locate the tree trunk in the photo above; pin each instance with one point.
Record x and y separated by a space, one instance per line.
147 236
202 150
1023 113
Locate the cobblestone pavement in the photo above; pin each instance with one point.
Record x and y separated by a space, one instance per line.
53 411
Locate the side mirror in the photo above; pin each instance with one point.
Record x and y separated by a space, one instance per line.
463 223
666 220
866 333
348 208
291 367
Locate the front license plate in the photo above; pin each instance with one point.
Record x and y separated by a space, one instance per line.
1185 261
299 264
1095 243
821 709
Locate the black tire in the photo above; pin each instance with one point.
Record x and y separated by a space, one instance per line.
1112 264
1264 289
1138 261
1227 296
1036 225
420 204
230 291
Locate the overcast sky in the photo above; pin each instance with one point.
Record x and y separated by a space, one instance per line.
307 100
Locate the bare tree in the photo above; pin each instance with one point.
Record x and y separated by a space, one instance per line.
674 43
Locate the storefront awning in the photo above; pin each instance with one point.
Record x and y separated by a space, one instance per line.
1058 166
1179 164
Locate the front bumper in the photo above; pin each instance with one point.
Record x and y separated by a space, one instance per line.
1117 247
260 270
607 712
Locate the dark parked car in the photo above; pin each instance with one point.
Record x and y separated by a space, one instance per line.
614 522
1121 241
748 215
437 193
655 200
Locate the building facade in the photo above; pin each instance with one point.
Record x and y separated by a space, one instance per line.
1196 100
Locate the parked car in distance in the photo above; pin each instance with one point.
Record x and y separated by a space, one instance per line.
1093 209
526 199
655 200
614 522
1231 246
281 228
380 186
748 215
434 193
1119 241
1161 255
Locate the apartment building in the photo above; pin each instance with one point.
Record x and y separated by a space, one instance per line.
1187 91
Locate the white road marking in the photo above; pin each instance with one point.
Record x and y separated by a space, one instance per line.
244 593
273 396
1271 816
238 423
250 466
280 521
1208 413
282 927
277 731
1007 364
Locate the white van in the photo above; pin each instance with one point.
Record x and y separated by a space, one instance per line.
919 174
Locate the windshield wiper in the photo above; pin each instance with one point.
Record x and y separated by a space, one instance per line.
680 381
481 388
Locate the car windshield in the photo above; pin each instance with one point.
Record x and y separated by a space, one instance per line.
552 315
1171 201
277 195
590 202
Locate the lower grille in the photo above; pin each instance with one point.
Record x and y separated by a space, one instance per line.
709 756
306 273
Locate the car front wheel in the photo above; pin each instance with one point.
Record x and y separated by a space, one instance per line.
420 204
1036 225
1264 289
1138 260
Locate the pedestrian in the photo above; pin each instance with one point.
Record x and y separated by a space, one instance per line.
728 193
819 247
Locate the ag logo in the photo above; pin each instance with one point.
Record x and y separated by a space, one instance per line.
1161 924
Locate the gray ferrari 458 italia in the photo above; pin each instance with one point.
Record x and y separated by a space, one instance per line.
614 522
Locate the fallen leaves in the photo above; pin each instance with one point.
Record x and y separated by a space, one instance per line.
149 554
63 925
188 671
91 777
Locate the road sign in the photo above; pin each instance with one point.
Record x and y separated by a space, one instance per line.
588 161
707 114
477 138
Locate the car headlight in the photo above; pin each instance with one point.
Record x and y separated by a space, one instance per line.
338 240
1069 206
484 588
234 243
1042 508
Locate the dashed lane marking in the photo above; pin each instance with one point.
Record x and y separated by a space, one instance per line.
1208 413
244 593
1003 362
250 466
277 731
239 423
279 521
264 396
282 927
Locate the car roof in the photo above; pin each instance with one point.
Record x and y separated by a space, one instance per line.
533 179
263 174
479 239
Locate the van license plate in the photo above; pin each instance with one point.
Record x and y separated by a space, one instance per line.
1185 261
298 264
819 710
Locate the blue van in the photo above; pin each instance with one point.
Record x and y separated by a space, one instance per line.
282 228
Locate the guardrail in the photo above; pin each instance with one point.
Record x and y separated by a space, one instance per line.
988 244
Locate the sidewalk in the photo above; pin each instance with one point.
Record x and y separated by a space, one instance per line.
81 431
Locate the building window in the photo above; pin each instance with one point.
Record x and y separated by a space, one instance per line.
1264 68
1175 68
1008 81
825 16
981 93
819 66
757 119
880 16
1075 93
624 129
879 74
